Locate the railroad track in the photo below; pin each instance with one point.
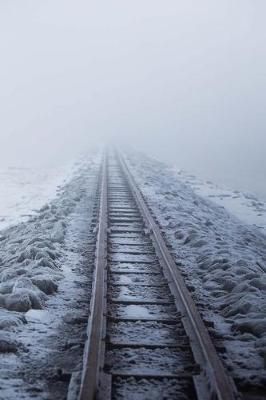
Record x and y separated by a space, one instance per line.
146 339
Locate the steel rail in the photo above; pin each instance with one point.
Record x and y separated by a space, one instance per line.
95 345
213 382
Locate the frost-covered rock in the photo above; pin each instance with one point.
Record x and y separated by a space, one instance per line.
2 300
10 320
30 253
24 295
6 287
7 344
18 302
255 325
58 232
45 283
36 258
10 273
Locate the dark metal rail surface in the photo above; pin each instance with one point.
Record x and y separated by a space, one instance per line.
146 338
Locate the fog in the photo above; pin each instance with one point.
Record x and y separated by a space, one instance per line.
184 81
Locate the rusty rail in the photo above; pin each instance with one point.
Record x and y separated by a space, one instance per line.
95 344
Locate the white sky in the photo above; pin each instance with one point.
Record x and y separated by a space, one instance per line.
182 80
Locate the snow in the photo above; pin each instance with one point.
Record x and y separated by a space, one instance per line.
46 271
45 280
222 259
245 206
25 190
135 311
142 389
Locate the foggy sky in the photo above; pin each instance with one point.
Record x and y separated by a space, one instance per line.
182 80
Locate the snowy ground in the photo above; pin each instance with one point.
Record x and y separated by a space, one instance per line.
25 190
223 261
45 277
45 271
245 206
